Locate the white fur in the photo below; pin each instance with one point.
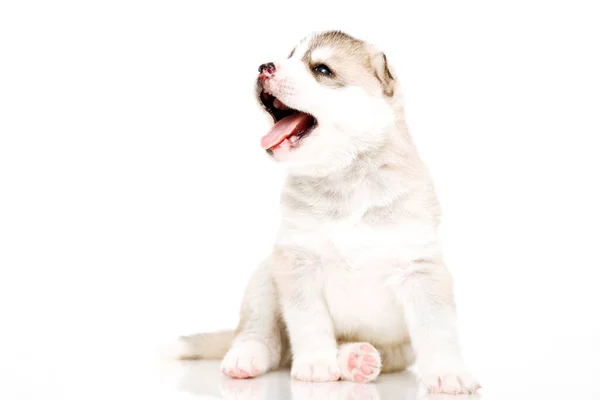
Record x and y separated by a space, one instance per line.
321 54
357 253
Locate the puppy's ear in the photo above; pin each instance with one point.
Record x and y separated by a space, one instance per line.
383 73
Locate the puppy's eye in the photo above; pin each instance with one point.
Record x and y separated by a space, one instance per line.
323 70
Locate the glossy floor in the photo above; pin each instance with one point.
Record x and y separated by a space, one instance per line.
97 377
278 386
202 380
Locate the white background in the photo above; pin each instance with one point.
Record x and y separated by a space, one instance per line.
135 198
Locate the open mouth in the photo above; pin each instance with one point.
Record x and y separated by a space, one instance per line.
290 125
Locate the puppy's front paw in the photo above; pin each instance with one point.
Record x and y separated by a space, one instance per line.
246 360
449 381
316 369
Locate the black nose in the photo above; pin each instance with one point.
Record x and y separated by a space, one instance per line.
269 67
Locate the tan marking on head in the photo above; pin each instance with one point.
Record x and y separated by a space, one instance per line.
300 48
352 61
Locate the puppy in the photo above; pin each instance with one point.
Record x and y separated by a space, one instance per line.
355 284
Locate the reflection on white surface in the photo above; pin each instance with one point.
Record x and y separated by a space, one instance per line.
203 378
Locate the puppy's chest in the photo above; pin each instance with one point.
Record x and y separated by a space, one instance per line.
351 234
365 229
359 244
353 242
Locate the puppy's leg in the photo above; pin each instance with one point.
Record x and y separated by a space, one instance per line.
298 277
396 358
258 343
428 299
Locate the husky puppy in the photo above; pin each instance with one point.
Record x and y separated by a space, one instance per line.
356 283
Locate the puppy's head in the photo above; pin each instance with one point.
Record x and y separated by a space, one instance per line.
330 100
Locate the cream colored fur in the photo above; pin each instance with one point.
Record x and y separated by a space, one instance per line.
356 262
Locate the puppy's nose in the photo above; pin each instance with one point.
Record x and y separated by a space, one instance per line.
268 68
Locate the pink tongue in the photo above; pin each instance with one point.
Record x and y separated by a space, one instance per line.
284 128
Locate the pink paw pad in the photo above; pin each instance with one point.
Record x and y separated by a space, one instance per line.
363 363
241 373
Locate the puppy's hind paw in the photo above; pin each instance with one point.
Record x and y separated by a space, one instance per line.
359 362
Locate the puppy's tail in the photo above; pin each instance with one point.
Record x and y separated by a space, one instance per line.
203 346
